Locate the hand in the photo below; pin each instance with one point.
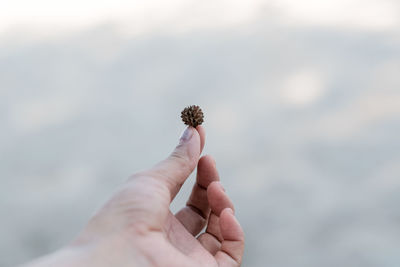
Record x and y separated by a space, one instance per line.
136 227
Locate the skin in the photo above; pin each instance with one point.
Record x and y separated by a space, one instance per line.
136 227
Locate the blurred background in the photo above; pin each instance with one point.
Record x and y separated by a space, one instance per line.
302 113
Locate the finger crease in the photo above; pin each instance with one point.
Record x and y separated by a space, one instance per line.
202 187
230 255
216 237
197 210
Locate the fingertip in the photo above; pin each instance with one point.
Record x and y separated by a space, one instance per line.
215 187
217 198
206 171
202 134
233 239
228 210
176 168
189 146
207 161
230 226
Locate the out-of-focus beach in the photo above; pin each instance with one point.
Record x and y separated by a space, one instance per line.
302 115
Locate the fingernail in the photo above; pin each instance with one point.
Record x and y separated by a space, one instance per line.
230 211
186 135
220 185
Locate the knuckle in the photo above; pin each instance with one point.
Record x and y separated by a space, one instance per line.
183 161
136 176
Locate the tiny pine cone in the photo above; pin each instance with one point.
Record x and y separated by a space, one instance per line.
192 116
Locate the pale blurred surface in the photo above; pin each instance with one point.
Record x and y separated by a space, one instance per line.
302 106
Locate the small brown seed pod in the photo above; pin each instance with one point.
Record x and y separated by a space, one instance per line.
192 116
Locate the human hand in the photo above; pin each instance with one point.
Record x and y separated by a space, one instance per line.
136 227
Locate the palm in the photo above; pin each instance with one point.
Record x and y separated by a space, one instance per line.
189 251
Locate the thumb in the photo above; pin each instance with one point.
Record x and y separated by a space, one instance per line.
174 170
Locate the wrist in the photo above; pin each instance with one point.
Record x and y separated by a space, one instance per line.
68 256
104 252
